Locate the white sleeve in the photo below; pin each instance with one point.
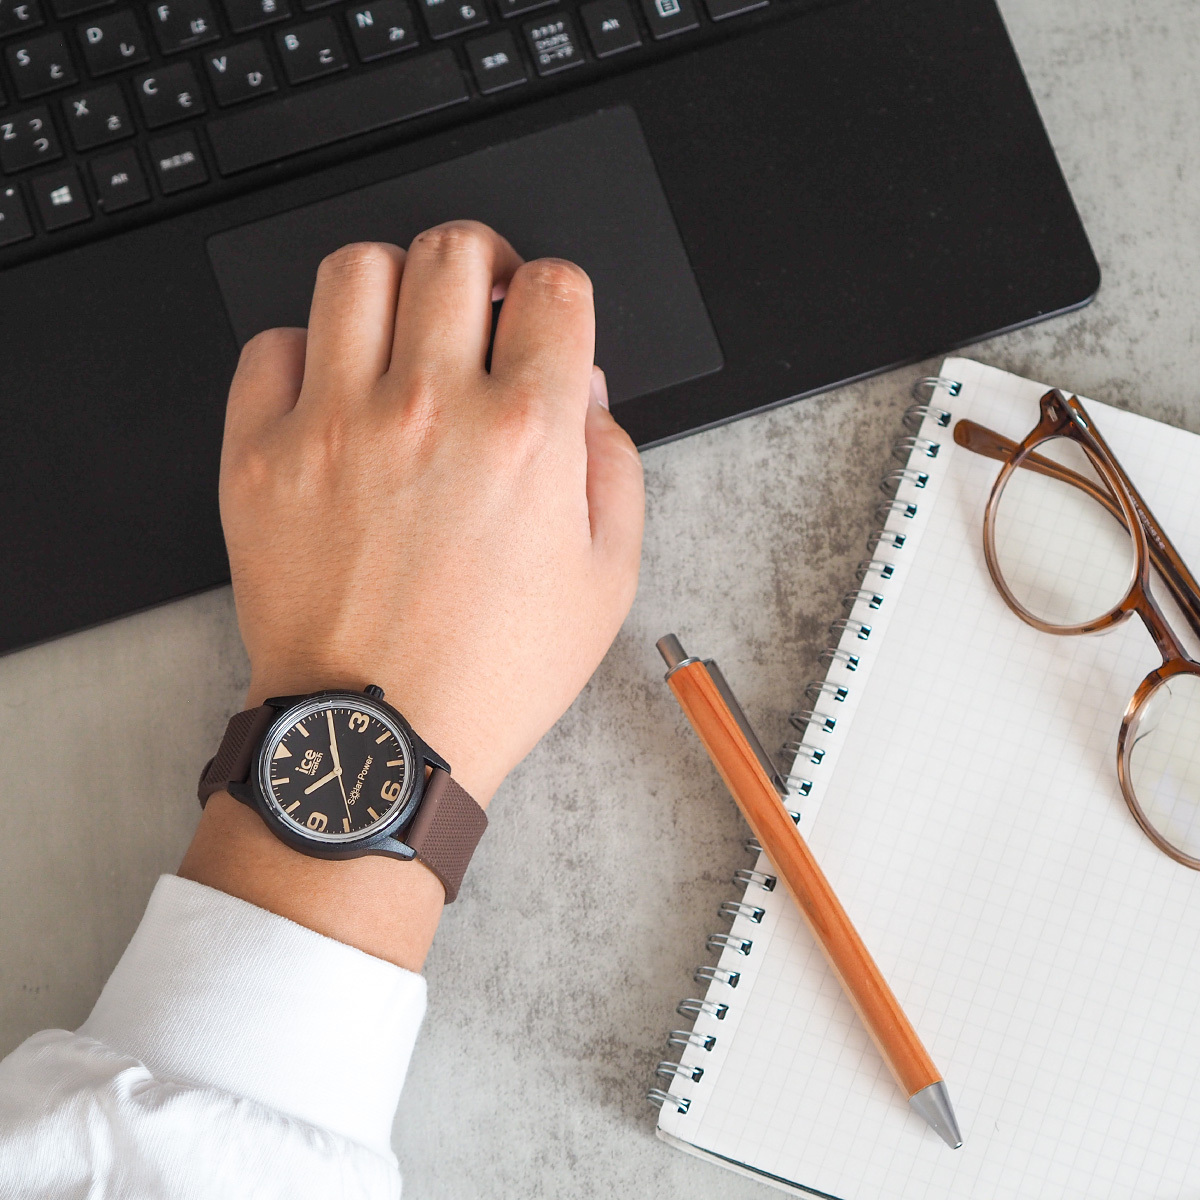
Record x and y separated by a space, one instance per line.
231 1054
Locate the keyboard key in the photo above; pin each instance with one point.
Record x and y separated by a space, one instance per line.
514 8
448 17
27 140
385 27
610 27
239 73
171 94
720 9
669 17
40 65
359 104
245 15
14 220
120 182
309 5
182 24
98 117
19 15
60 198
72 8
553 43
310 51
177 162
496 62
110 43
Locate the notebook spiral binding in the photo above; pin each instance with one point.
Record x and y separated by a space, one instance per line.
824 695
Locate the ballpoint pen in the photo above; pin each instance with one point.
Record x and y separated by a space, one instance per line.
756 785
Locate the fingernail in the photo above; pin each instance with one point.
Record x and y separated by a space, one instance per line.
599 388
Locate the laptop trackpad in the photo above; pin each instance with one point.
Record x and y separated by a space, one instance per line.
586 190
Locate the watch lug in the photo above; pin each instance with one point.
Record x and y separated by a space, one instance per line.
242 792
393 847
282 702
434 759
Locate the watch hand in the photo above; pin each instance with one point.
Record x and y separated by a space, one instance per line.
335 773
333 749
337 762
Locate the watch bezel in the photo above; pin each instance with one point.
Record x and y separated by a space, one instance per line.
382 835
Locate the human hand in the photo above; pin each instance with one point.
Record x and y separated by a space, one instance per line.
397 514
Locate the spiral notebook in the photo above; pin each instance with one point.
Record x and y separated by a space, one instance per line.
957 781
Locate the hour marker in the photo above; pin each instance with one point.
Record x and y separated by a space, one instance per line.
345 824
281 751
383 737
374 814
277 782
301 729
396 762
292 807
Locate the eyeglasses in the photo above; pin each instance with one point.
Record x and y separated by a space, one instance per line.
1069 543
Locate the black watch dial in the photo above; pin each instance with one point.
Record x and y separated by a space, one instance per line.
337 769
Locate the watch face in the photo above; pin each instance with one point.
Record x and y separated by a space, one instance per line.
337 768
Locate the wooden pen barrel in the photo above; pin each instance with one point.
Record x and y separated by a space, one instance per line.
861 979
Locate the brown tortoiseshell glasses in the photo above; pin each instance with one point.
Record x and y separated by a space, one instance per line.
1069 543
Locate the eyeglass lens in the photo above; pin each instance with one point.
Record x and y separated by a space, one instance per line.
1164 763
1064 557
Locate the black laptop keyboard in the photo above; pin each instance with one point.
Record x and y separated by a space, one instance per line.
114 114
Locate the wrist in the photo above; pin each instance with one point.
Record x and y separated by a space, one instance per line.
385 908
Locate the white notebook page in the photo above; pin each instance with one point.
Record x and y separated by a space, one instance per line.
971 821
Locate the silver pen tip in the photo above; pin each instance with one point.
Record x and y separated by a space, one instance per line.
933 1103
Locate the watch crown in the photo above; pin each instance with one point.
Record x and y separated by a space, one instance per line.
374 691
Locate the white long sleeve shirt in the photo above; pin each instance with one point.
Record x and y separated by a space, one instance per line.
231 1054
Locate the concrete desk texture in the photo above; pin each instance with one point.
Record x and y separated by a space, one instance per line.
554 977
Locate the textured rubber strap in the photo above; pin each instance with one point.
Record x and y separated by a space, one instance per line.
446 830
231 763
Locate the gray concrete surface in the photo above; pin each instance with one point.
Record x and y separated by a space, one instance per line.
554 979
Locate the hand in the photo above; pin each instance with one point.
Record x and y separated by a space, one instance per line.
397 513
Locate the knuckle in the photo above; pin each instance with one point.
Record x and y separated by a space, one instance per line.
424 392
247 469
358 260
268 343
453 239
521 431
559 279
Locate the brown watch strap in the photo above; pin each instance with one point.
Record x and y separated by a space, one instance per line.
444 833
446 830
231 763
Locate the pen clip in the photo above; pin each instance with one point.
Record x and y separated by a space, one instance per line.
760 751
676 658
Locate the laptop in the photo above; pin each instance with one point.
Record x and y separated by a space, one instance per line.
772 197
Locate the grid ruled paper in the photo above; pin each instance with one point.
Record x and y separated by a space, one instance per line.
971 821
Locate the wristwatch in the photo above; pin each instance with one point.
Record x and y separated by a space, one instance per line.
341 775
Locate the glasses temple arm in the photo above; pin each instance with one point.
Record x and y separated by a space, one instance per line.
1183 587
